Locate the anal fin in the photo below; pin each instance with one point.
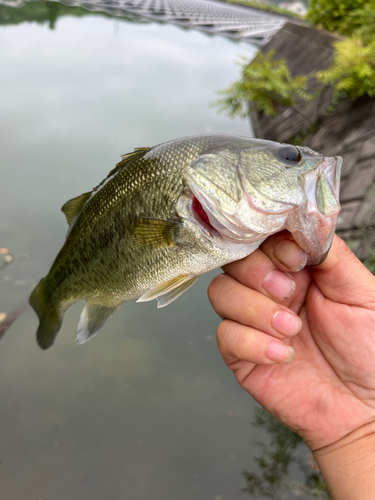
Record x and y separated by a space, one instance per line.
92 319
167 292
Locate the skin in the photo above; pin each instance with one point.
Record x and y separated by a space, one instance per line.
313 369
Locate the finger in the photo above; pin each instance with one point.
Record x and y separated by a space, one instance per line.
343 278
257 271
284 252
240 342
234 301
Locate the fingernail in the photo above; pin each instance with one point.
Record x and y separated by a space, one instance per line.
286 323
279 285
280 353
290 254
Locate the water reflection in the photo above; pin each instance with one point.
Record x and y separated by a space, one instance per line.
141 411
147 409
6 258
44 12
275 476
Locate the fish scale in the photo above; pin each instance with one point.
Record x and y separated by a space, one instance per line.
136 235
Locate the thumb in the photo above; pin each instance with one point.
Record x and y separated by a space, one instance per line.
343 278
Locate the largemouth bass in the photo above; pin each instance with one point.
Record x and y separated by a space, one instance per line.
167 214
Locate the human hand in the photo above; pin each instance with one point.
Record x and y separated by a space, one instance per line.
328 390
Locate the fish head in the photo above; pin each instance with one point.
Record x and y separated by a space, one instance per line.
245 194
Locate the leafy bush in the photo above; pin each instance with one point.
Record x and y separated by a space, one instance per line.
352 73
361 22
345 17
265 83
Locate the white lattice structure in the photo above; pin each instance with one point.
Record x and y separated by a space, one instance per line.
233 21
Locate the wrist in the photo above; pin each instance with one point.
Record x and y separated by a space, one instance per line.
348 465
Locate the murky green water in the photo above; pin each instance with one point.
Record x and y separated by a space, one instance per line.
147 409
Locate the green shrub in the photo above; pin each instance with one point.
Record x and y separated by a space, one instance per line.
352 73
345 17
265 83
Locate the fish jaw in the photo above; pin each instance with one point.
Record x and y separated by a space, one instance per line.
313 226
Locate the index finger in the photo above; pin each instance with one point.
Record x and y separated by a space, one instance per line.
257 271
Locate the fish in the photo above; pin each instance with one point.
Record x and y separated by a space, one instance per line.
167 214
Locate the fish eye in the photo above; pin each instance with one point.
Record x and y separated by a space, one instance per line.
289 154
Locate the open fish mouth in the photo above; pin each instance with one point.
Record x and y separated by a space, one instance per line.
310 216
314 227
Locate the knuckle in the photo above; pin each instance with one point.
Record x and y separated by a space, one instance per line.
222 332
215 287
274 239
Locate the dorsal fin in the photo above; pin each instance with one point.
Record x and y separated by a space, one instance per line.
126 159
74 206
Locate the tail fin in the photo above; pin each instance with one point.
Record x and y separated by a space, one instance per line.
49 317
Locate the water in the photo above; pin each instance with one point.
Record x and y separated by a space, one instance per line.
147 409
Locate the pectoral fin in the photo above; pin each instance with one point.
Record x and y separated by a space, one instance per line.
153 232
92 319
167 292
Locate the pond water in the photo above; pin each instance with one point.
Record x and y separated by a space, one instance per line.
147 409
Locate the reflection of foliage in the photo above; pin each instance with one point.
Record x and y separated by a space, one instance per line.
352 73
52 9
275 462
266 83
44 13
345 17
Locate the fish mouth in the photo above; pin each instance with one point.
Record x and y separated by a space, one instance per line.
312 222
313 230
